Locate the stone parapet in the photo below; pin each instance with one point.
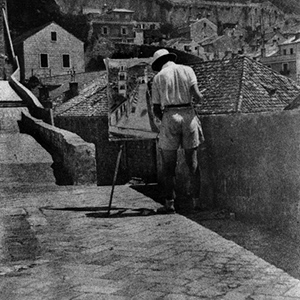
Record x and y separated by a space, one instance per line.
75 157
250 164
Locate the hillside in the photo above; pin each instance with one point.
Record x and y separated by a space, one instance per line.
74 6
67 12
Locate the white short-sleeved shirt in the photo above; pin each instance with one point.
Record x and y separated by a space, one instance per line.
171 86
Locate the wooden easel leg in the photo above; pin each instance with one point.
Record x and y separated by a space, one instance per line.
115 178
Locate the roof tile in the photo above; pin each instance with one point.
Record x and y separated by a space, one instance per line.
92 102
242 85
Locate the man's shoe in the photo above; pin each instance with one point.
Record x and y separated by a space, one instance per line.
168 208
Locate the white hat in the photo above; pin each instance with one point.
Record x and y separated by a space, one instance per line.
160 57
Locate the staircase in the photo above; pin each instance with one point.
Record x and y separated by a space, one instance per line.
23 162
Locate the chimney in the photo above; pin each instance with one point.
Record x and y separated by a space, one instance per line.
263 52
43 93
104 8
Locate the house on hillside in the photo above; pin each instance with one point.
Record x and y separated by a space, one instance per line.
202 29
116 24
197 30
49 50
186 45
286 60
220 46
242 85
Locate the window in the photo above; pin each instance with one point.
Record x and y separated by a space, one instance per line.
187 48
285 69
122 87
122 77
105 30
66 60
284 51
44 60
53 36
292 51
124 31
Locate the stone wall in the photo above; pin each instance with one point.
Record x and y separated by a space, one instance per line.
138 159
74 156
36 109
252 165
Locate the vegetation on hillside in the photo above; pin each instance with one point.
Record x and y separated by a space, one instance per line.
39 12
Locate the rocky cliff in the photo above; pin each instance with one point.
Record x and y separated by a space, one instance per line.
157 8
27 14
242 12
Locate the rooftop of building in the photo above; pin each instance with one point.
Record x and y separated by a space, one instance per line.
291 40
236 85
33 31
242 85
91 102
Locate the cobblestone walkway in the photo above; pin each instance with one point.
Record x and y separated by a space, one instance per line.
75 255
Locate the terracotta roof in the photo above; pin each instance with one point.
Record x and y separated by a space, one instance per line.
242 85
91 102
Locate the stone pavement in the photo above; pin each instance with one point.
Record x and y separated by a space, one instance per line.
48 252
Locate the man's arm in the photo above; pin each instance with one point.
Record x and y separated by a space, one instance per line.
198 96
156 101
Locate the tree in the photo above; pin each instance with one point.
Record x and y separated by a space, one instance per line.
99 48
167 29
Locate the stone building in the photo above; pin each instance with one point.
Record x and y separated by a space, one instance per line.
49 50
186 45
218 47
286 60
202 29
117 25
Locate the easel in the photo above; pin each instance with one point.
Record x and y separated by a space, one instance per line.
115 178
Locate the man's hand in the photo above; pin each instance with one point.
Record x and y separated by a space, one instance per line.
198 96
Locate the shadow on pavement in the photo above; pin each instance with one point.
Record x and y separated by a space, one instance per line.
102 211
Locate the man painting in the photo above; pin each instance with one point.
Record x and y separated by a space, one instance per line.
173 88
